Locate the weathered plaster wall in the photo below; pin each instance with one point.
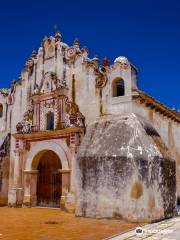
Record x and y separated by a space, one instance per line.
3 119
167 129
4 168
123 170
5 181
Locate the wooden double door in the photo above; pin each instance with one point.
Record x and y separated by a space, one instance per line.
49 181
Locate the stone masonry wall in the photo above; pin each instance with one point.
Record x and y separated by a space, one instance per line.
124 170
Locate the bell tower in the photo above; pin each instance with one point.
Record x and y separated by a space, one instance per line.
121 87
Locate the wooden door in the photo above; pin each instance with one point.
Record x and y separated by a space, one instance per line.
49 183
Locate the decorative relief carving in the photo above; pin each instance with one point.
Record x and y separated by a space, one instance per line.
25 126
73 117
49 103
101 78
50 83
71 53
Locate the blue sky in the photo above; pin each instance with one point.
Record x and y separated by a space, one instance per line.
146 31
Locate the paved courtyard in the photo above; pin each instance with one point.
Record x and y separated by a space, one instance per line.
165 230
53 224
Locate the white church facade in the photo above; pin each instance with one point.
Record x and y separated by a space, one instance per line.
79 134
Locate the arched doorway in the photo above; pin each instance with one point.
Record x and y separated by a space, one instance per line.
49 180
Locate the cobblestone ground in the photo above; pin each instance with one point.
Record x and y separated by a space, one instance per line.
53 224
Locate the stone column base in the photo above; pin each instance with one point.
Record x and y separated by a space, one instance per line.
27 201
62 203
15 197
70 202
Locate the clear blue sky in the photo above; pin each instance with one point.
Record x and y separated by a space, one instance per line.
146 31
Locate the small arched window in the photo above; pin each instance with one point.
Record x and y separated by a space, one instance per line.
118 88
50 121
1 110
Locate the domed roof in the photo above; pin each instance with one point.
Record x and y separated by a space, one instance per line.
121 59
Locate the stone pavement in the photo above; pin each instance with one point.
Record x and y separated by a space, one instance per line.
164 230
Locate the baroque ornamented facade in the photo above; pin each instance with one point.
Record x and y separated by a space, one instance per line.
79 134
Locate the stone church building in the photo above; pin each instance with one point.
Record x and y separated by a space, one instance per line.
78 134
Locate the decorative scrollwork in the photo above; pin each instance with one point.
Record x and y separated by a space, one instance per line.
101 78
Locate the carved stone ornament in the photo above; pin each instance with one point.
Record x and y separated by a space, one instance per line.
101 81
101 78
73 117
70 53
50 104
25 126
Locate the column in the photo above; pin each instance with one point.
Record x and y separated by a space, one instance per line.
17 180
15 194
30 188
65 186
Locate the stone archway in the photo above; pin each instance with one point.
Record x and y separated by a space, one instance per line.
36 151
46 160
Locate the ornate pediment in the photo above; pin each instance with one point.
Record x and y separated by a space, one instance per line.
50 83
